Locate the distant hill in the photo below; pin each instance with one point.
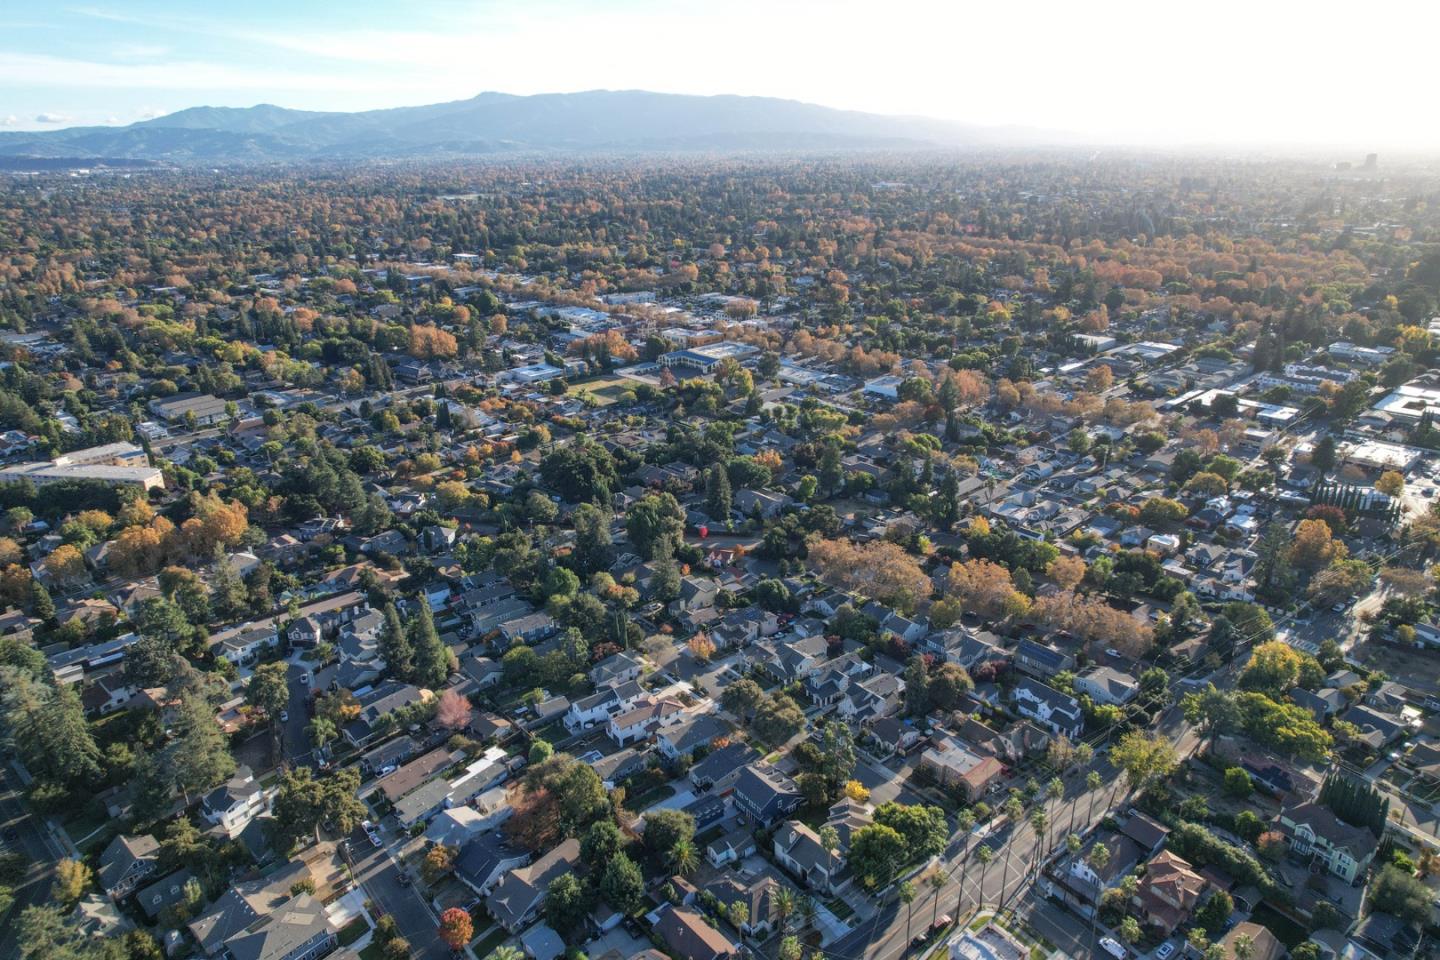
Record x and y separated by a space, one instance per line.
599 120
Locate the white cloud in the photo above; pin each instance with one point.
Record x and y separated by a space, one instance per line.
52 118
9 121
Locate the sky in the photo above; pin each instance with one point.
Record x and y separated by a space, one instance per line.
1125 72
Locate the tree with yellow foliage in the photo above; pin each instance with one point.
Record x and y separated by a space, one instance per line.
65 564
1313 547
1391 483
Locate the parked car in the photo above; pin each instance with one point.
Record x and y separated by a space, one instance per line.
1113 947
1166 949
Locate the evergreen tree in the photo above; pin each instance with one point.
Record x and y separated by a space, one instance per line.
395 646
40 602
719 498
432 657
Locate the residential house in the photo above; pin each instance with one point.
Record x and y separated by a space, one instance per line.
616 669
246 642
1262 944
1041 661
517 899
690 937
759 897
691 732
125 862
235 803
1106 685
800 850
1049 707
1315 833
644 719
376 706
765 794
719 769
1169 893
731 848
485 860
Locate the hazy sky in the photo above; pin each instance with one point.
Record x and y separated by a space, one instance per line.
1153 72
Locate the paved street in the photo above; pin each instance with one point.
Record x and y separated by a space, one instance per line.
31 838
971 885
379 876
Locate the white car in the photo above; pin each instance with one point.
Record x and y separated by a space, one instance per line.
1112 946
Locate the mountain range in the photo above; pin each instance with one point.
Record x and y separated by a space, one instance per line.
621 121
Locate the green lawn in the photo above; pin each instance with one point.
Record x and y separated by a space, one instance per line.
652 796
353 931
373 951
491 939
840 908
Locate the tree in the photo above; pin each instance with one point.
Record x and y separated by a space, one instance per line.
601 843
1145 758
438 862
1129 930
906 893
743 698
1274 668
1237 782
1322 455
701 647
778 719
432 657
655 519
72 878
1214 914
623 886
1391 483
877 853
666 828
540 751
1067 571
922 827
790 949
917 686
877 568
454 711
1313 546
567 904
985 586
718 496
592 538
395 647
683 858
1396 891
268 690
456 928
65 564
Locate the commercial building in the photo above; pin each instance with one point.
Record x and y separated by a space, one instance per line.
120 464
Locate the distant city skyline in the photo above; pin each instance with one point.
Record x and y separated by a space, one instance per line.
1121 72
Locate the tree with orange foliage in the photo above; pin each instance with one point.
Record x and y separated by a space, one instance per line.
1313 546
429 342
456 928
1067 571
984 587
1099 378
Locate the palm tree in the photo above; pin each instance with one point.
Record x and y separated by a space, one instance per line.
1073 843
505 953
784 905
807 909
1093 780
1244 946
684 858
1014 809
1098 858
1038 822
985 854
937 882
907 897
